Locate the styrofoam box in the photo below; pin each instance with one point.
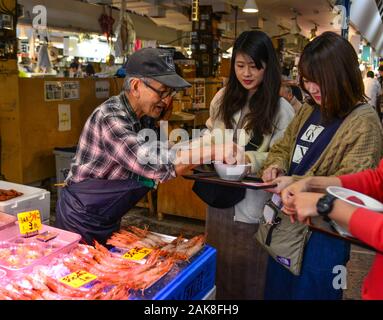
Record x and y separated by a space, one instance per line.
32 199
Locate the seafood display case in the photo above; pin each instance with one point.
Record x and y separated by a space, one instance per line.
191 280
192 277
139 265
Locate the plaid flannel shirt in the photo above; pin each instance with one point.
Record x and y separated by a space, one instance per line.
110 146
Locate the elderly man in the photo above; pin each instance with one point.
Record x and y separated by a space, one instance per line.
286 92
110 172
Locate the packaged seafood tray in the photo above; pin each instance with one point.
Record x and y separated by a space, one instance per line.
32 198
191 280
20 255
6 220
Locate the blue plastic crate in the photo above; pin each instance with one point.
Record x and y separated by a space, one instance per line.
186 281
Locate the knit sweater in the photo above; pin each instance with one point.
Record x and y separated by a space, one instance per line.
357 144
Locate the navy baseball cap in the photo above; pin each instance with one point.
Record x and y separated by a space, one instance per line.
156 64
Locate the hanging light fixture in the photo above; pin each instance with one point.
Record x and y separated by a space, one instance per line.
250 7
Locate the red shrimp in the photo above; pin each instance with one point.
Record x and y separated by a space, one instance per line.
139 232
186 250
146 279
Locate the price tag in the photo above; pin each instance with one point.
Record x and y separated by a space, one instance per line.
137 253
78 279
29 222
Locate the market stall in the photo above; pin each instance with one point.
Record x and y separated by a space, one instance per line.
52 265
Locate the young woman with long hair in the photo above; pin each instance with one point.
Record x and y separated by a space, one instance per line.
249 105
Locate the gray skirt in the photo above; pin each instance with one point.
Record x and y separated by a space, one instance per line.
241 261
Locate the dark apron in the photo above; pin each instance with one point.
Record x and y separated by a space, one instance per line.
94 208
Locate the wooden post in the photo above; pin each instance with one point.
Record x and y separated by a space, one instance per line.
10 133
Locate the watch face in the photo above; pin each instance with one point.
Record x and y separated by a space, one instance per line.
324 205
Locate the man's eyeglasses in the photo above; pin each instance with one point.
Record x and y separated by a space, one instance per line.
161 93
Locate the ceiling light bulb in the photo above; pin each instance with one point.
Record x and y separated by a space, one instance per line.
250 7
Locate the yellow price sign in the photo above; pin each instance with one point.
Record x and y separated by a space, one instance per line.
29 221
137 253
78 279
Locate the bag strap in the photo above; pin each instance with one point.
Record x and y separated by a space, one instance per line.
254 143
276 221
255 140
272 228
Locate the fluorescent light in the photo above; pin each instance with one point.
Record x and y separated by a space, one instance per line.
250 7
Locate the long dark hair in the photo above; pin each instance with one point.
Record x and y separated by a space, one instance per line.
264 102
331 62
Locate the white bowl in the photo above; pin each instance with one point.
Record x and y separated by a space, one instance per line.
232 172
347 195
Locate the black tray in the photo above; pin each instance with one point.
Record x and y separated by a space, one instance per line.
335 234
212 177
205 174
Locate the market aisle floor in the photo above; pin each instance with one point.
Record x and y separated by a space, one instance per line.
358 266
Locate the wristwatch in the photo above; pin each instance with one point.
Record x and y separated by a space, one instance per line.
325 204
